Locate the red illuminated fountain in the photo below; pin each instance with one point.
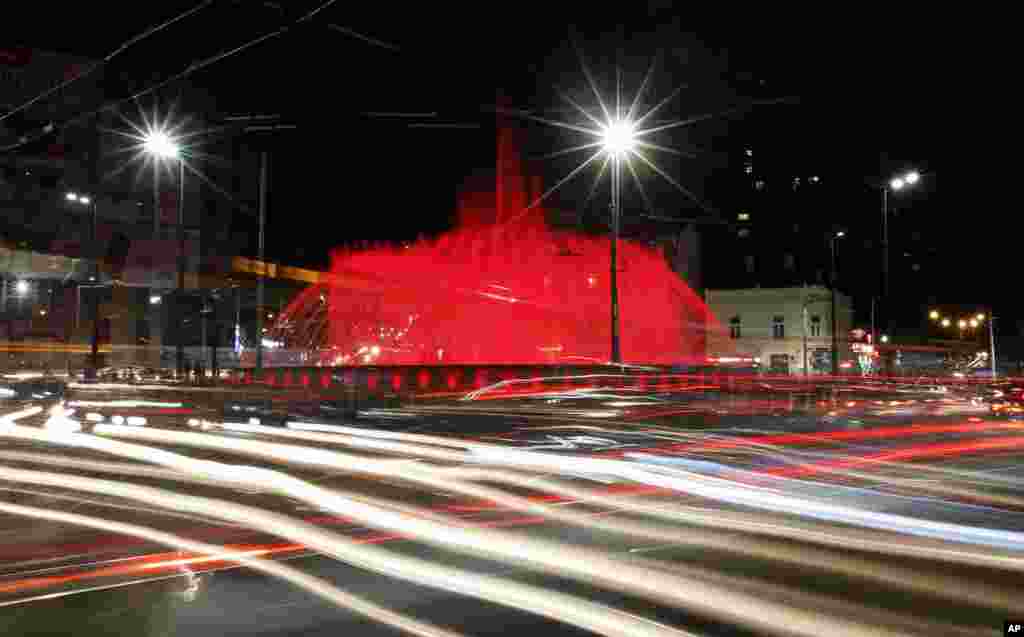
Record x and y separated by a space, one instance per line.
501 288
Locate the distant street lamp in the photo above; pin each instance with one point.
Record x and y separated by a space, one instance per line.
21 287
162 146
945 322
934 315
896 184
94 341
835 321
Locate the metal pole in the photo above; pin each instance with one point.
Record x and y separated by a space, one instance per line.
992 342
804 330
885 258
180 357
613 275
261 274
835 321
94 345
204 315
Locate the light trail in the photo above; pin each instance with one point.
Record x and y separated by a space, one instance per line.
583 565
552 604
688 587
564 560
250 559
666 477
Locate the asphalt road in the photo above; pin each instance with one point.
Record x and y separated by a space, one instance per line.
875 508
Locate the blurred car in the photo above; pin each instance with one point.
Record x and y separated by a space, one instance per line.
1008 402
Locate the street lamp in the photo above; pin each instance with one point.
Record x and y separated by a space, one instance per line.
896 183
162 146
945 322
21 287
94 340
933 315
835 321
618 138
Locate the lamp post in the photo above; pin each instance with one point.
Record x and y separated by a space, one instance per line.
161 146
618 138
835 322
94 274
992 343
896 184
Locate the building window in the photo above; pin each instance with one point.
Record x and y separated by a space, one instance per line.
734 327
789 262
778 327
749 260
815 326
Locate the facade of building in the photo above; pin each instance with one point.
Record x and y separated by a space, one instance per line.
775 326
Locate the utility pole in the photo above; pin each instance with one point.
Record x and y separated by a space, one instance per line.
262 274
180 358
94 345
835 319
992 342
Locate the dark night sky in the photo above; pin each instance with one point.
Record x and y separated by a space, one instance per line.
872 100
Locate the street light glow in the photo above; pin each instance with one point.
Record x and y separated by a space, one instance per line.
974 322
71 196
896 183
912 177
933 315
21 287
945 322
84 200
840 234
160 144
961 323
980 316
884 338
618 137
154 299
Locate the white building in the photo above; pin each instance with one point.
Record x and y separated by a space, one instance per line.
776 326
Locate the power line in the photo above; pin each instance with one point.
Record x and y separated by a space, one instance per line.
192 68
96 65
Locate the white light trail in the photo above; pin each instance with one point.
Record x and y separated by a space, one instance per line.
558 606
587 566
250 559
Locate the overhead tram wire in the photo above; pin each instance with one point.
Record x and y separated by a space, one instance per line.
110 56
192 68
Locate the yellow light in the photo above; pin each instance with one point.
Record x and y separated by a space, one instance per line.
980 316
933 315
945 322
961 323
